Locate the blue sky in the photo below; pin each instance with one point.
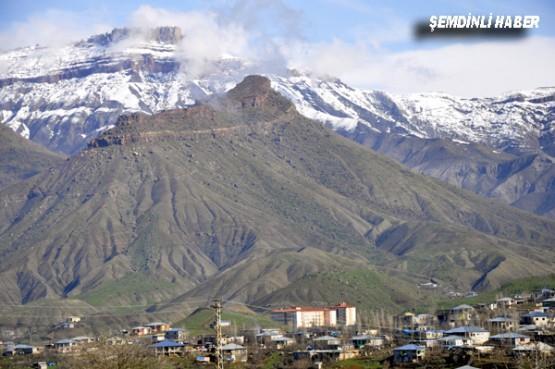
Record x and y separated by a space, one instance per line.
361 41
320 20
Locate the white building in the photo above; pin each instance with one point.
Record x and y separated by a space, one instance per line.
477 335
346 314
510 339
537 318
455 341
310 316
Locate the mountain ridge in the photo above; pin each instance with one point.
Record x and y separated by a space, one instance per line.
64 98
248 214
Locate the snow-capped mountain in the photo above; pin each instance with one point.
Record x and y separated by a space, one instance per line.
518 122
64 97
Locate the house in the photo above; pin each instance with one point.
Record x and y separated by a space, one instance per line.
505 302
536 347
487 306
428 334
67 325
501 324
365 341
159 337
408 354
410 319
310 316
429 337
64 345
273 338
425 320
266 335
233 352
537 318
528 328
549 303
461 314
407 319
547 293
319 356
477 335
81 340
168 348
141 331
240 340
523 298
25 349
455 341
510 339
281 342
175 334
300 337
73 319
158 327
327 343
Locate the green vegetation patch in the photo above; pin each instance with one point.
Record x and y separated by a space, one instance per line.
132 288
199 322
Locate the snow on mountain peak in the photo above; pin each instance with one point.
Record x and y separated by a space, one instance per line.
62 97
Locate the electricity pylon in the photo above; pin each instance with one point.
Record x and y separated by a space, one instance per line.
217 306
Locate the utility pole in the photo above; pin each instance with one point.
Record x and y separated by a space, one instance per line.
217 306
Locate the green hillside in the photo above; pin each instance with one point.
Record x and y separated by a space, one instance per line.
200 321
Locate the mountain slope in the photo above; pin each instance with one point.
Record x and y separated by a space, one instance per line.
497 147
21 159
525 181
242 196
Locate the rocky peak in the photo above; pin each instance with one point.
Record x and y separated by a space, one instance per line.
166 35
256 91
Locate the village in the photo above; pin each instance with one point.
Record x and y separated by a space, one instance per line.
511 332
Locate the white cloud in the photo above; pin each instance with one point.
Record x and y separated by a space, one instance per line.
269 34
205 38
466 69
51 28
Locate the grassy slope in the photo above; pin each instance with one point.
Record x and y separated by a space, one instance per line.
133 288
200 320
365 288
514 287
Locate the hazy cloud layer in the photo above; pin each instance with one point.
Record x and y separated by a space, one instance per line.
478 69
52 28
270 35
